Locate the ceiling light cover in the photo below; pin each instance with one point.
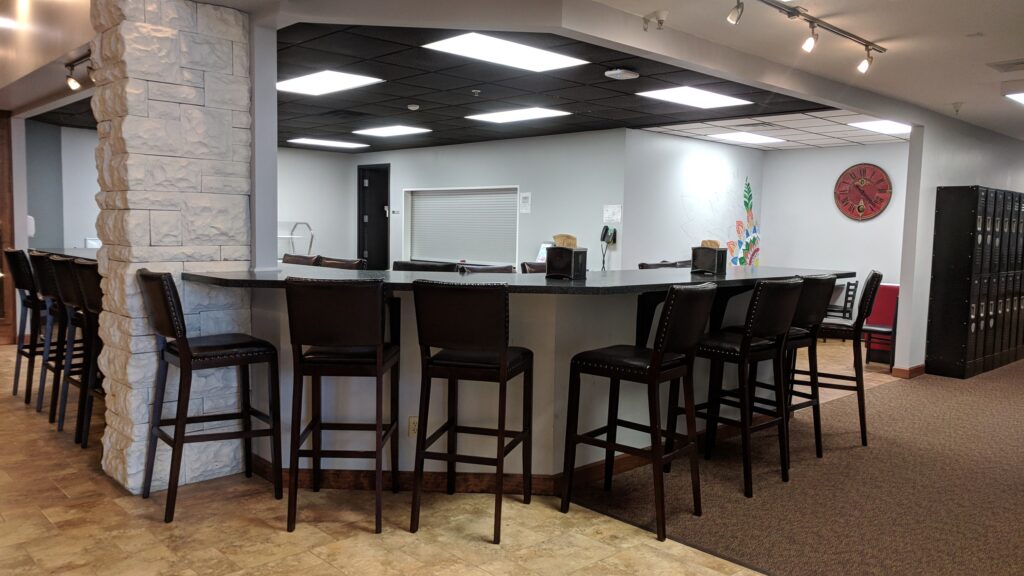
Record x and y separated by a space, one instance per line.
883 127
387 131
518 115
328 143
746 138
1018 97
695 97
325 82
498 51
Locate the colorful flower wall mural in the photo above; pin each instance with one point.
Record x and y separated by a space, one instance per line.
746 249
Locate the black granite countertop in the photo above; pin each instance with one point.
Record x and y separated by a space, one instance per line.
610 282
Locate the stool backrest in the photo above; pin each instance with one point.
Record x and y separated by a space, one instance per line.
665 264
335 312
87 272
470 268
21 270
67 284
461 316
533 267
867 299
814 299
342 264
409 266
772 307
300 259
163 304
46 282
683 318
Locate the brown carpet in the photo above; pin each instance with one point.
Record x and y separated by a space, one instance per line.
940 489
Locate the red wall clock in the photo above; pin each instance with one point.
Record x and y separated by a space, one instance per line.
863 191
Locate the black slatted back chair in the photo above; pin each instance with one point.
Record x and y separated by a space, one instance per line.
53 353
845 310
762 337
32 309
337 329
420 266
533 267
308 260
469 324
342 264
664 264
191 353
853 329
89 284
75 360
470 269
683 319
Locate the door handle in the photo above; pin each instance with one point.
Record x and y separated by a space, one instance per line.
387 211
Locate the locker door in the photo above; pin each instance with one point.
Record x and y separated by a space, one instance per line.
971 353
979 232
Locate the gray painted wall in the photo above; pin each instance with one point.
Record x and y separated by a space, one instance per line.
45 189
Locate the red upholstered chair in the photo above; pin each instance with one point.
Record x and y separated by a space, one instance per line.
880 326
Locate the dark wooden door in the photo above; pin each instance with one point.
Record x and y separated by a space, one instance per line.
374 187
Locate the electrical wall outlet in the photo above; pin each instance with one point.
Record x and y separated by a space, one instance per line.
414 424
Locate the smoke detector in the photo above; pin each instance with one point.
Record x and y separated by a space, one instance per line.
621 74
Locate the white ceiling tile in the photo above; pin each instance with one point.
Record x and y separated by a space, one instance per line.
807 123
844 143
732 122
831 113
852 132
803 137
689 126
829 129
873 138
710 130
782 117
858 118
819 141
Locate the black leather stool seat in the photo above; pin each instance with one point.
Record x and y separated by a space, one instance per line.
728 343
348 354
518 359
624 359
226 346
838 328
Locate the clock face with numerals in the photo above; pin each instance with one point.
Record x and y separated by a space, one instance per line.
863 191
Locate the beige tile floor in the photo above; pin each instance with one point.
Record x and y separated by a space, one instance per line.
59 514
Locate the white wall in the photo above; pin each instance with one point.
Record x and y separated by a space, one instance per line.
679 191
804 229
78 178
320 188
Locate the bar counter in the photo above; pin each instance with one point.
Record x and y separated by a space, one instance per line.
547 316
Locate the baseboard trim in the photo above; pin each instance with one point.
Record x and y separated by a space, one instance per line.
908 373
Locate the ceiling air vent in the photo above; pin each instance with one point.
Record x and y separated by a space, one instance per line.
1007 66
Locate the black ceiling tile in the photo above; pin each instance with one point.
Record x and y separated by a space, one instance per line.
653 106
730 88
354 45
583 93
374 110
450 98
580 107
302 122
424 59
344 97
536 100
453 111
395 90
624 101
584 73
537 83
486 71
642 66
303 31
406 36
438 81
615 113
493 91
417 118
403 104
590 52
334 101
299 109
457 122
287 70
540 40
382 70
306 58
686 78
488 106
641 84
83 106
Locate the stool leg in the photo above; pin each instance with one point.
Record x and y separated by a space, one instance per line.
858 367
47 340
154 423
178 448
421 444
58 366
379 455
296 442
23 319
246 402
812 363
782 410
499 480
672 417
395 377
47 344
657 457
452 435
613 418
317 435
691 436
714 405
528 434
748 479
69 358
275 426
85 388
571 429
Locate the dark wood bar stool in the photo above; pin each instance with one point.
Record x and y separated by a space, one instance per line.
200 353
342 264
664 264
337 329
56 317
852 330
76 348
32 310
761 338
469 324
683 319
533 267
88 276
422 266
470 269
300 259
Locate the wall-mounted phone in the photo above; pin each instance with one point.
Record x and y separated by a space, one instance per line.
609 236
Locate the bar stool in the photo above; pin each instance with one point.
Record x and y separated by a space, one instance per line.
300 259
664 264
199 353
683 319
32 309
88 276
476 269
342 264
56 316
533 267
337 329
852 330
76 349
762 337
469 323
422 266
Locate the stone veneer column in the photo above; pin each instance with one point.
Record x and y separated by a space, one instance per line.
172 102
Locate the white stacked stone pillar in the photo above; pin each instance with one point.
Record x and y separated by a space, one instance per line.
172 104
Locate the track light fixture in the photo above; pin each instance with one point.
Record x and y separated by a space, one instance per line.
865 64
735 14
811 40
70 80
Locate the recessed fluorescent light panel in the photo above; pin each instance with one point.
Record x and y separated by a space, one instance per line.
883 127
490 49
325 82
518 115
328 143
694 97
1018 97
391 131
746 138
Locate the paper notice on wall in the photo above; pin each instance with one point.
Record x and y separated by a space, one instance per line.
612 213
524 202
